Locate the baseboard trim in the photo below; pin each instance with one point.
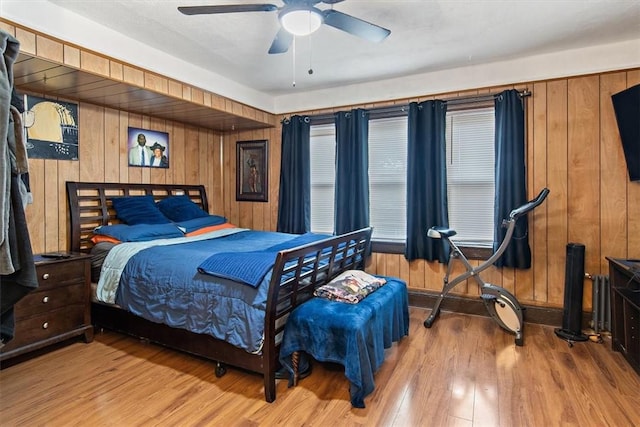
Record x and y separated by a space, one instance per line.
532 314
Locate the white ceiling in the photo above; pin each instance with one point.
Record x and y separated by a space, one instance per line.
426 36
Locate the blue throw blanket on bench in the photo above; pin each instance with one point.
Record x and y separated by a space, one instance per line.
354 335
250 267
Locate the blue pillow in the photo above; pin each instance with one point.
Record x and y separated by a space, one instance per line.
139 232
180 208
138 210
198 223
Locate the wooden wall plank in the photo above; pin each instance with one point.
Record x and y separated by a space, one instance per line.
123 134
91 142
51 203
538 219
72 56
584 176
49 49
191 151
557 178
613 180
112 144
94 63
178 151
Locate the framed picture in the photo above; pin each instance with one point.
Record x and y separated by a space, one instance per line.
148 148
251 171
51 128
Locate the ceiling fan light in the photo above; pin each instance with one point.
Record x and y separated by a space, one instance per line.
301 22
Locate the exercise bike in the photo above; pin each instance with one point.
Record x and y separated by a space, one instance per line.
502 305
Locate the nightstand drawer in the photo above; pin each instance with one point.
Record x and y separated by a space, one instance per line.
45 300
59 274
46 325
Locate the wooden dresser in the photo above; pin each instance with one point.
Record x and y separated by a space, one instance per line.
59 309
624 276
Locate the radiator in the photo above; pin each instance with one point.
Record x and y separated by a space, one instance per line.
601 304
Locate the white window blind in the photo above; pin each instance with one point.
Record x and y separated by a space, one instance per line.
323 156
470 175
388 178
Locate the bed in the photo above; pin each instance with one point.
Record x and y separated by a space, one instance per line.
295 273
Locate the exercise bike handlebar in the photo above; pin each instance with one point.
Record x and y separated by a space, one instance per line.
530 205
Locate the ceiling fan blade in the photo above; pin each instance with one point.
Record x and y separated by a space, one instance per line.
229 8
332 1
355 26
281 42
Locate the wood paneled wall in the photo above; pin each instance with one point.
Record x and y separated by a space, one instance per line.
573 148
195 158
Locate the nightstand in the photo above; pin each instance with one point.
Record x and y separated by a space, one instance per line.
59 309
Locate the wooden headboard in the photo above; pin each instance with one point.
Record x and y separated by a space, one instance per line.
90 205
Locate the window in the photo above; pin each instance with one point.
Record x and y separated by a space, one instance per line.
470 176
388 178
323 177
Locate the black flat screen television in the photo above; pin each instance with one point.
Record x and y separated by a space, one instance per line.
626 105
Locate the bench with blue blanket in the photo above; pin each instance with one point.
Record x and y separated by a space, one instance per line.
353 335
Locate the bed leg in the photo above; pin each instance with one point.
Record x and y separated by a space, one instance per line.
270 386
220 369
295 358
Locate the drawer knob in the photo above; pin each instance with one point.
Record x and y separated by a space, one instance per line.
45 276
45 299
45 325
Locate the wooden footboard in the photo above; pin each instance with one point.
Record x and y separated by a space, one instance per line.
296 273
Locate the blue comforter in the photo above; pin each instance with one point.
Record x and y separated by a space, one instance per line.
163 285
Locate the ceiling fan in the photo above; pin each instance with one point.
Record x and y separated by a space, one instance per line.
299 18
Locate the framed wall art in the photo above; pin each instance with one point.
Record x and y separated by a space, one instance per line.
252 160
51 129
148 148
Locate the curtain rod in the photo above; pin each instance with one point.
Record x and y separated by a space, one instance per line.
399 110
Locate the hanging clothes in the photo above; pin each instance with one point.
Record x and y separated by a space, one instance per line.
17 269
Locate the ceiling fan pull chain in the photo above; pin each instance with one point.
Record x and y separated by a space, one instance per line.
293 51
310 56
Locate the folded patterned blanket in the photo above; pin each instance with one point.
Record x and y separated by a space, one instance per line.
352 286
251 267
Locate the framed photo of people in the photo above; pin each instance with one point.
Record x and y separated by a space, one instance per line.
252 160
148 148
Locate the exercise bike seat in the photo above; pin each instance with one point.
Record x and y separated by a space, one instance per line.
439 232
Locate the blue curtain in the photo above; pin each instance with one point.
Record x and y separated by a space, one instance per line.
294 204
352 171
510 175
426 180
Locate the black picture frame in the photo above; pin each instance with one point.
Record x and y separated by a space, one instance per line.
252 171
154 142
51 128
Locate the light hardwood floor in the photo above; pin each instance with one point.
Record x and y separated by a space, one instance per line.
465 371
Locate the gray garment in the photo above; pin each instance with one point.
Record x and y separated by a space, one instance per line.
18 152
17 268
10 47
